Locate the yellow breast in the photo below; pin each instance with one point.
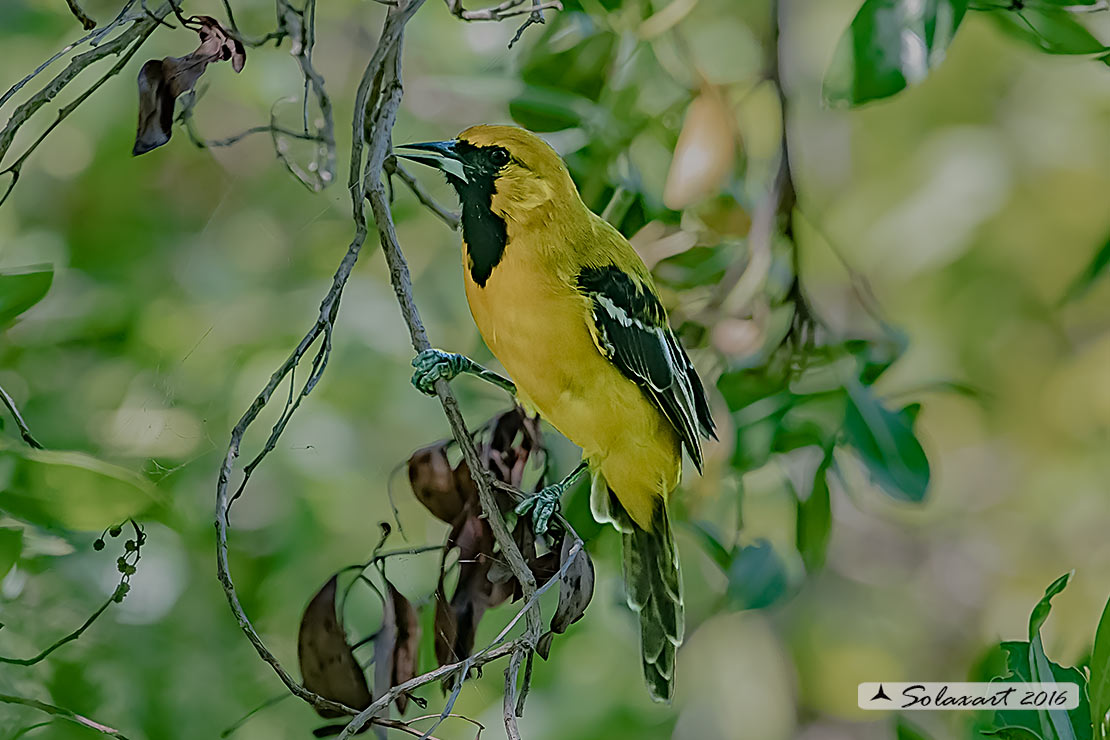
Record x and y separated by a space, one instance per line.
537 325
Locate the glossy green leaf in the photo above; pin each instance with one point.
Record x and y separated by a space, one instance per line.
21 290
743 388
71 490
813 420
1050 30
573 55
891 44
1043 607
756 577
814 520
1099 688
1026 662
1096 268
885 442
11 545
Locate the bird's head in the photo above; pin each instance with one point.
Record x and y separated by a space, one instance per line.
508 170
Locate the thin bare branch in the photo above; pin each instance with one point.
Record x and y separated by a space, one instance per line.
130 558
79 13
63 714
393 167
24 430
124 45
506 9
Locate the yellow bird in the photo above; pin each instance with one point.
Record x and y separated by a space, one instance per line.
569 309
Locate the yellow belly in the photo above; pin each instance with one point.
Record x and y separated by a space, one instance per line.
537 327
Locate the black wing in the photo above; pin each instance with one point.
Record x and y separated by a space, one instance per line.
631 330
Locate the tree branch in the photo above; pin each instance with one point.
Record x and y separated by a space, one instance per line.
506 9
79 13
24 430
124 45
393 167
62 713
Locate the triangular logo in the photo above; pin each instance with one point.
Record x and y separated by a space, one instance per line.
880 694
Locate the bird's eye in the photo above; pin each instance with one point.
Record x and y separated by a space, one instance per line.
499 157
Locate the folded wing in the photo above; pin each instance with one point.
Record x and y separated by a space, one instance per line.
630 328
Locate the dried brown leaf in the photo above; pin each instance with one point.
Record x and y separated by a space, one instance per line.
162 82
434 483
385 648
407 651
576 589
328 667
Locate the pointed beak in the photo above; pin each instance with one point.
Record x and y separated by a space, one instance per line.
438 154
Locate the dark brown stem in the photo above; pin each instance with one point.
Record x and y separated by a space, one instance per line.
79 13
24 430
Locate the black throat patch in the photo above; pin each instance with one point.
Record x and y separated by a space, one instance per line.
484 231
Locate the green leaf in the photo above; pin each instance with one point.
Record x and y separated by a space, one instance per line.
1092 272
891 44
711 540
885 442
21 290
756 577
1012 733
1041 611
813 420
814 520
875 357
1026 662
1099 688
1050 30
71 490
903 730
11 545
742 388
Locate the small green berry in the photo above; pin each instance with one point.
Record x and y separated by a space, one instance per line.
98 544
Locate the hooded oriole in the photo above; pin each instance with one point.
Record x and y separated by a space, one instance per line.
568 307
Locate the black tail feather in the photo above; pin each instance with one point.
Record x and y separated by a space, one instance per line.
654 585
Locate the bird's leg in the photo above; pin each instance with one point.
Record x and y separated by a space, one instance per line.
545 502
434 364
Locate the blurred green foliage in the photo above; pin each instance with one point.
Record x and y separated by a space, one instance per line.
853 524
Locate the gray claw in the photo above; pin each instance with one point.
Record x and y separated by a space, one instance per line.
434 364
542 506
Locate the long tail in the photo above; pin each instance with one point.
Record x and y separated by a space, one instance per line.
654 585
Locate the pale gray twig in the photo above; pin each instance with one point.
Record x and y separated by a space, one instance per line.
63 714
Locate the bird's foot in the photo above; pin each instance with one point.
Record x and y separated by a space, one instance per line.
542 505
435 364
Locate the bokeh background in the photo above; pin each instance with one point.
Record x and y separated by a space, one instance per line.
185 276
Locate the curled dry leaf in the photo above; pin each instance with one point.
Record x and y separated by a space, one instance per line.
396 645
575 592
457 621
513 439
705 153
451 495
162 82
435 484
576 589
406 653
328 667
